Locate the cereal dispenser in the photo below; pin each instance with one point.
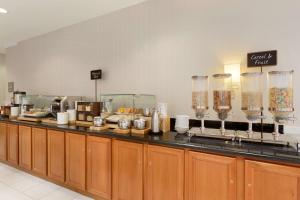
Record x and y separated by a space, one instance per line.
252 97
222 97
281 104
200 97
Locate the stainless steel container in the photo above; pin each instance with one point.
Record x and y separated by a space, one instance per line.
139 123
124 124
155 122
99 121
18 97
147 112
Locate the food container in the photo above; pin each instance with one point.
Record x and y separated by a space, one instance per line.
139 123
62 118
222 97
252 94
200 97
124 123
99 121
280 85
71 115
147 112
14 111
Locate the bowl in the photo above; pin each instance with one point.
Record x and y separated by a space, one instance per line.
124 124
139 123
181 130
99 121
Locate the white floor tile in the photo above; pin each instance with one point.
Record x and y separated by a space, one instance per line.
41 190
7 193
18 185
81 197
61 194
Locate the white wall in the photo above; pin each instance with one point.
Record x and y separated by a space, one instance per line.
2 78
155 47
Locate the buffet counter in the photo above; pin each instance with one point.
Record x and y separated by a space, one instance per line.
104 164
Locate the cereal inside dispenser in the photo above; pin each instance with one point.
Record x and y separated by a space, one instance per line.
281 103
222 97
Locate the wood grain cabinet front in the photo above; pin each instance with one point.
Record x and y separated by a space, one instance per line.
3 142
39 151
127 170
99 166
210 177
265 181
56 155
25 159
13 144
164 173
76 160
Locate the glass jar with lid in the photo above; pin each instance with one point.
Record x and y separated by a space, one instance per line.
222 96
280 84
281 103
200 97
252 96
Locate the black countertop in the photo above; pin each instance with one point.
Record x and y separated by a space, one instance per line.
283 154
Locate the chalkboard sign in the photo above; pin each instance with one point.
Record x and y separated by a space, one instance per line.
263 58
96 74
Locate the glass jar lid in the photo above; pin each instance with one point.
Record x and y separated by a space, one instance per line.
225 75
281 72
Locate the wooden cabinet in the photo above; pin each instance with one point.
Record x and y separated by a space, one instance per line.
127 170
164 173
210 177
3 142
25 147
56 155
75 160
264 181
13 144
99 166
39 151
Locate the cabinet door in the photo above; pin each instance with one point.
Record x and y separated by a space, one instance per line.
12 144
210 177
56 155
75 160
165 173
39 151
127 170
99 166
25 147
266 181
3 142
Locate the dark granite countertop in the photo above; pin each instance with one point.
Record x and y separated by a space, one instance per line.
283 154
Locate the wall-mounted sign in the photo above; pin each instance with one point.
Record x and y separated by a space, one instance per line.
263 58
96 74
11 87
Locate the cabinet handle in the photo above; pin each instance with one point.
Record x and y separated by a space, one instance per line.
231 181
149 163
249 185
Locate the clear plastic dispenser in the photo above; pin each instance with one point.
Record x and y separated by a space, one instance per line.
222 97
252 97
200 97
281 103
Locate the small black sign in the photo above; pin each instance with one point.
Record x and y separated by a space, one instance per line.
260 59
96 74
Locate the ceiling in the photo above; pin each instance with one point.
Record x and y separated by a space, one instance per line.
30 18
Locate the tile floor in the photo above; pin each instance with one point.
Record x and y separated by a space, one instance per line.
18 185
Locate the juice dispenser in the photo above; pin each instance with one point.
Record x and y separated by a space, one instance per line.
222 97
200 97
